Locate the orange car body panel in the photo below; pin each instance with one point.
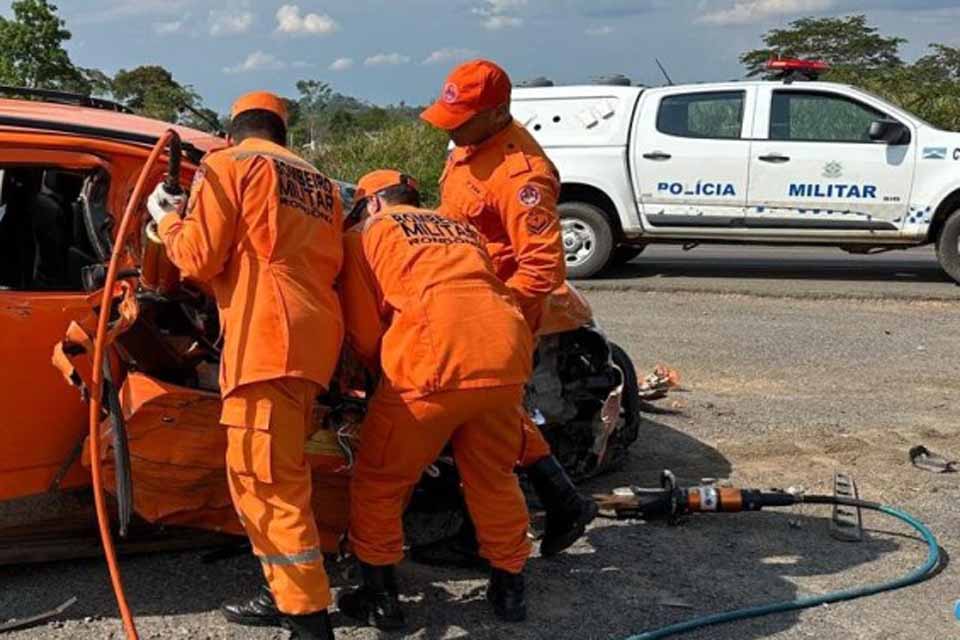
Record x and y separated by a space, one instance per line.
44 420
178 462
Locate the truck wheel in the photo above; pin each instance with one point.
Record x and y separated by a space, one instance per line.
948 246
625 253
587 239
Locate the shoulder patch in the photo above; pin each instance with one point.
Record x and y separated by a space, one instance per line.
530 195
538 221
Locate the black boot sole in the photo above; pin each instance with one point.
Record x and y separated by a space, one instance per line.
369 618
252 621
556 546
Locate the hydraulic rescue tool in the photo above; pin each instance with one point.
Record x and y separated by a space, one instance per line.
671 502
100 368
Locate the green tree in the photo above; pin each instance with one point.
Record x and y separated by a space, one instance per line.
849 44
859 55
151 91
314 99
410 146
32 54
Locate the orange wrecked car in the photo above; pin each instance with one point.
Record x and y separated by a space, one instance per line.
68 166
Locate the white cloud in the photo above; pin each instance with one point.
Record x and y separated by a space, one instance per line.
230 23
167 28
450 55
600 31
753 11
258 61
382 59
341 64
502 6
497 14
291 21
495 23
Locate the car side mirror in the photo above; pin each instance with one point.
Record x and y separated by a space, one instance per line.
891 132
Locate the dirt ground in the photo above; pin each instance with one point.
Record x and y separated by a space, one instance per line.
779 392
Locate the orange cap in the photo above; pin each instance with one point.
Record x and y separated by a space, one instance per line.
376 181
260 100
472 87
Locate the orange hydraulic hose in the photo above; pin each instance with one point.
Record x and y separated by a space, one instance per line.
96 386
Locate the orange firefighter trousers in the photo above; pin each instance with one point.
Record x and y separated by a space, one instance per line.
401 437
270 483
535 446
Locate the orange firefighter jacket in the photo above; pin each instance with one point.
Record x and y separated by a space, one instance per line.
421 300
508 189
264 228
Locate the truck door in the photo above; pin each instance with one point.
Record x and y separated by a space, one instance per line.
691 157
814 166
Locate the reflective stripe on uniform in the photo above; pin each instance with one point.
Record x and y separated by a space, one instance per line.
246 155
304 557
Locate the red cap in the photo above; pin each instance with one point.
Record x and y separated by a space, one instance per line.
260 100
376 181
472 87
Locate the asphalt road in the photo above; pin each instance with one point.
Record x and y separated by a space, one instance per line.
783 271
779 390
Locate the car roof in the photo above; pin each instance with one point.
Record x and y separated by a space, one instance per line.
108 121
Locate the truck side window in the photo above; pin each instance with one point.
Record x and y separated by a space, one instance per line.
716 114
820 117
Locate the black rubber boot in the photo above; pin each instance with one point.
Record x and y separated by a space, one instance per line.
507 594
259 611
460 551
314 626
568 512
376 602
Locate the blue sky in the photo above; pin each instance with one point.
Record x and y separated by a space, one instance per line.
386 51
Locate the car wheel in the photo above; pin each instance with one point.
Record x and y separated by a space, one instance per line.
587 239
625 253
948 246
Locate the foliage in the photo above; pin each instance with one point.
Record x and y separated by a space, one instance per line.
411 147
859 55
151 91
33 55
846 42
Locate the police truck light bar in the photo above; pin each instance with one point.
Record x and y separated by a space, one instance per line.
790 68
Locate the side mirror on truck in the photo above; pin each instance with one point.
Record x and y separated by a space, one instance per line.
890 132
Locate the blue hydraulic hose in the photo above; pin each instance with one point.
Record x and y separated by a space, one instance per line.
919 574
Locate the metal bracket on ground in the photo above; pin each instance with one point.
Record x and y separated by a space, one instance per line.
846 524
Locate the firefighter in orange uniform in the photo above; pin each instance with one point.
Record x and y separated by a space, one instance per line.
423 306
499 180
264 229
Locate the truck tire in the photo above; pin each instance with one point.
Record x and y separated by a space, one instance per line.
587 239
948 246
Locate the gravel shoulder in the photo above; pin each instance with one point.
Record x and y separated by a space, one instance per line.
778 392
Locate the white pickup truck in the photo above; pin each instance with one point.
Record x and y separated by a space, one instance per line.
765 162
